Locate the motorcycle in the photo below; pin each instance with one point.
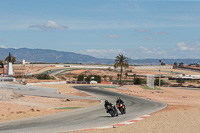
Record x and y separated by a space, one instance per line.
121 108
112 110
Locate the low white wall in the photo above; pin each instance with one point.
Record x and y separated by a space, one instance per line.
155 67
43 83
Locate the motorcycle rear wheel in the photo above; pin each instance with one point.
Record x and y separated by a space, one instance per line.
122 110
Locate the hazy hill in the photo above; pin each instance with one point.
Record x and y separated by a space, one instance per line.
52 56
49 56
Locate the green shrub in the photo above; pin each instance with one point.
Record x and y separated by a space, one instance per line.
139 81
96 78
80 77
88 78
44 76
180 81
162 82
176 85
192 86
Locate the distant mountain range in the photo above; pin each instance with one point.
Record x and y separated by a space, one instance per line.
50 56
53 56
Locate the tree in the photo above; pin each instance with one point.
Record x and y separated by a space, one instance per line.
13 59
104 76
96 78
137 81
126 74
80 77
175 64
163 64
121 61
110 78
181 64
180 81
156 82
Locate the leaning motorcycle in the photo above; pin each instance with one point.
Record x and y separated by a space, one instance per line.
111 110
121 108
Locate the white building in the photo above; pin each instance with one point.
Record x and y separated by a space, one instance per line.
24 62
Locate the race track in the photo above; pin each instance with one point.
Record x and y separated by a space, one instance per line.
89 117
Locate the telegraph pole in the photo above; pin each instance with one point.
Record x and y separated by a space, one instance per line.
159 73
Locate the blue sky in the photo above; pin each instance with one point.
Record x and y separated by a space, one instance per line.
103 28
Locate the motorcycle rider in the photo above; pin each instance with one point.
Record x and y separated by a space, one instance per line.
108 103
119 101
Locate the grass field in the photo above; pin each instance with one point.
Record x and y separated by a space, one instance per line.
148 88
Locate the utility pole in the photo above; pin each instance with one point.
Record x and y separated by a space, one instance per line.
32 59
3 70
159 73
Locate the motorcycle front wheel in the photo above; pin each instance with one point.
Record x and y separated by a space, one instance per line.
112 113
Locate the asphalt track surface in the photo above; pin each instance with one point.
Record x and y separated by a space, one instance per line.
90 117
57 71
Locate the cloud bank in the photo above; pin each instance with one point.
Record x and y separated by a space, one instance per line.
50 25
113 36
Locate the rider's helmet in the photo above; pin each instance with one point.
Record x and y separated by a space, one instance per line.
106 101
118 98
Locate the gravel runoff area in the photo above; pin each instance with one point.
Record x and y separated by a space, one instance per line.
181 116
16 106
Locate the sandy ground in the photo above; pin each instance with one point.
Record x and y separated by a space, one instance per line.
77 71
167 71
27 69
181 116
66 89
15 106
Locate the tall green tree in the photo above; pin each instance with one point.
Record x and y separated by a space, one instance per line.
122 62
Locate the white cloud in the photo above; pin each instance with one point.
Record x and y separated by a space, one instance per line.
133 53
142 30
81 24
2 46
183 46
50 25
159 33
150 38
153 51
104 53
113 36
183 50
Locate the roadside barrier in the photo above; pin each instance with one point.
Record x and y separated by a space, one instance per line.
77 82
117 83
181 86
103 82
42 83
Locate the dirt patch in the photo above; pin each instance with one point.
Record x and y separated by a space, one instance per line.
66 89
78 71
16 106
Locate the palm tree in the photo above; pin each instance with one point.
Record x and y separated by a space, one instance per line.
121 61
10 58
